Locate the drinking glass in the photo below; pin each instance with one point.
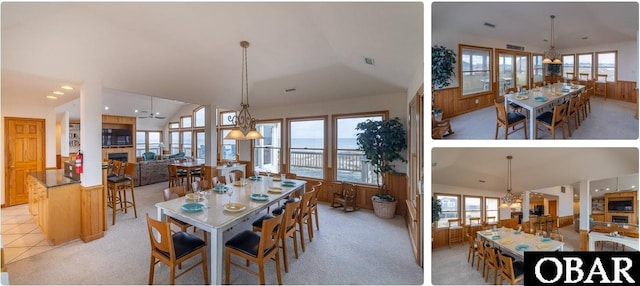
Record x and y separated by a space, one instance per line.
282 177
256 174
230 193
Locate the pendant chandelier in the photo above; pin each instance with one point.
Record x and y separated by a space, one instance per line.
245 125
551 56
510 200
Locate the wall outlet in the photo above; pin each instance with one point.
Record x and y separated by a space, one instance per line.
477 101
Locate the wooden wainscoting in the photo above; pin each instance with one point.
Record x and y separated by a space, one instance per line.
91 212
584 240
444 99
565 220
397 186
453 103
622 90
440 237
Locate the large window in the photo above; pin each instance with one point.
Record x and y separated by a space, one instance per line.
475 70
266 151
227 148
585 64
472 208
174 142
538 69
198 115
568 65
186 139
306 147
607 64
350 165
148 141
492 208
200 146
450 208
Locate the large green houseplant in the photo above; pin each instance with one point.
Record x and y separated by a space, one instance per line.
442 63
436 210
382 142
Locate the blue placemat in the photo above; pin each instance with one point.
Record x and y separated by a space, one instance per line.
288 183
495 237
259 197
220 189
540 98
254 178
520 247
192 207
544 239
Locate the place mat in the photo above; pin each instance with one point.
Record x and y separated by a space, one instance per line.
506 241
495 237
288 183
544 239
275 190
234 207
276 179
221 189
254 178
521 247
192 207
259 197
522 97
542 246
540 98
517 232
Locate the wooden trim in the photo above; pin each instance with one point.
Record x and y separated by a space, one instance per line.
584 240
92 215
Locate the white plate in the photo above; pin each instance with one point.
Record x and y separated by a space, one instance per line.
275 190
234 207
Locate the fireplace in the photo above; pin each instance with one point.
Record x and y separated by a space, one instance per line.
619 219
118 156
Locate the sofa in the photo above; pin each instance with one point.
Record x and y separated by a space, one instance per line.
152 171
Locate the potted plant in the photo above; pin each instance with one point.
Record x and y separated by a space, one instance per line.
382 142
442 62
436 210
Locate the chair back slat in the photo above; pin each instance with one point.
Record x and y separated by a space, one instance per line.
160 236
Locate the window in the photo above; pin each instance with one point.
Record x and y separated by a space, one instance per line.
174 125
568 66
538 69
228 150
200 146
350 165
492 208
266 151
148 141
450 208
198 115
475 66
472 208
306 147
226 118
585 64
185 138
174 141
185 122
607 64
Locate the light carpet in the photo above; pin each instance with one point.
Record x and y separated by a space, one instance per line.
349 248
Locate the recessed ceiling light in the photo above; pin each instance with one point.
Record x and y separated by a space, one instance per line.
52 97
58 92
136 111
608 189
106 108
596 190
67 87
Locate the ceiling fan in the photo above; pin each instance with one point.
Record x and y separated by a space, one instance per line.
150 114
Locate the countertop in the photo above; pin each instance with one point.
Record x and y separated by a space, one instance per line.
53 178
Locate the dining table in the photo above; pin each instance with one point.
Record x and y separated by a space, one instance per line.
218 212
517 242
189 166
541 97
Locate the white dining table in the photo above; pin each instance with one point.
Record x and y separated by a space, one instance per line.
552 95
215 220
507 239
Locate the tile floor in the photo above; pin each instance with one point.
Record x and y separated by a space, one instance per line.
21 237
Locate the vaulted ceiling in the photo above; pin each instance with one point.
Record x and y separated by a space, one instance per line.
529 23
534 168
191 51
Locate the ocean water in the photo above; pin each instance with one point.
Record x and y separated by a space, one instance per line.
343 143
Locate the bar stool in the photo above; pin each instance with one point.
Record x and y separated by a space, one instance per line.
543 223
122 184
552 224
455 231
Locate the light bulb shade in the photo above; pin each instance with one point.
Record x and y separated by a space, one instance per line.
235 134
547 61
253 134
515 205
557 61
504 206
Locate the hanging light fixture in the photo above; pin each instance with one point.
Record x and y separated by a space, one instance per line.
509 200
551 56
245 125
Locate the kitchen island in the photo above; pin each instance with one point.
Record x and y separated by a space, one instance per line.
54 203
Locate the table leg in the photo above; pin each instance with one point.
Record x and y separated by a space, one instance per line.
532 123
216 256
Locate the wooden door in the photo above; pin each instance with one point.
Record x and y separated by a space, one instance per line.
553 208
24 149
414 191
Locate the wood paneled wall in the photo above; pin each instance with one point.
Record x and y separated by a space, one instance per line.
397 188
452 103
565 220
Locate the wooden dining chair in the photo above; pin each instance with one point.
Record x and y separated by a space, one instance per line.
600 85
175 178
474 220
551 120
473 249
573 113
289 222
583 76
256 248
174 249
557 236
514 106
313 204
509 120
178 192
510 270
491 263
481 256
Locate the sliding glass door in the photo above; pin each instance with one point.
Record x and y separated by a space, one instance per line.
512 69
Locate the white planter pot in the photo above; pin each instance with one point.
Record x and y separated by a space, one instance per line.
384 209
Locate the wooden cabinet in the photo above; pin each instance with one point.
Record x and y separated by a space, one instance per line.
55 207
632 215
120 123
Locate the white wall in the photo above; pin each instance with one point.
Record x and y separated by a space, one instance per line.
565 200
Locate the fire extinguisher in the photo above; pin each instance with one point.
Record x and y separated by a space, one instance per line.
79 163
